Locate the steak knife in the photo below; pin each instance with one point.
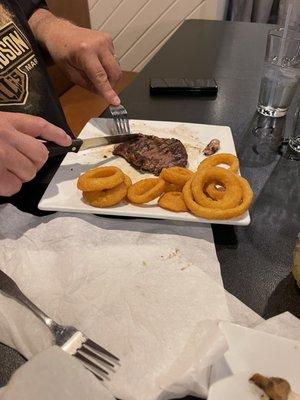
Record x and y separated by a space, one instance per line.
84 144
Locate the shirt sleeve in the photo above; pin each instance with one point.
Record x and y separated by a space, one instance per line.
29 6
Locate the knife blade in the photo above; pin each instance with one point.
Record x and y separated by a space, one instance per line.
84 144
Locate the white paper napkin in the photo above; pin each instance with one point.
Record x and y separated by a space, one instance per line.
147 291
53 374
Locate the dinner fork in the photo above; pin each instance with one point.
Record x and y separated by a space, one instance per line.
120 117
70 339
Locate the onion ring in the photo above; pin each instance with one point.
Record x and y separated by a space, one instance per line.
217 214
215 192
173 201
221 158
100 178
127 181
232 196
106 198
171 187
176 175
145 190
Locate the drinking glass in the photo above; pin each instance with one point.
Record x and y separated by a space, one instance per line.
294 141
281 73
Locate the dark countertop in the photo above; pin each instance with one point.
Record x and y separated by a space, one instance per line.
255 260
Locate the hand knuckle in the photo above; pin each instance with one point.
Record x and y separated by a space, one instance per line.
101 76
83 46
116 75
102 40
108 37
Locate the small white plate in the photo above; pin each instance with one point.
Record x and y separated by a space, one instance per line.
238 387
62 193
251 351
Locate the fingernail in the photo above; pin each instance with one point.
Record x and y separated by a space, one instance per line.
116 101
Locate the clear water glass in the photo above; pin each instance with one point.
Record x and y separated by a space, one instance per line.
294 141
281 73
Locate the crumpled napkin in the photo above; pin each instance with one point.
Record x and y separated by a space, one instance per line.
138 288
53 374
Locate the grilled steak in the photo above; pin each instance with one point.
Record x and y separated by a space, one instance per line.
152 154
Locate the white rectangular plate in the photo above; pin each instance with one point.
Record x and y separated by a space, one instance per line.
63 195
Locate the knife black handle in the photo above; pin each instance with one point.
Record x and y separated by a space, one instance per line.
56 150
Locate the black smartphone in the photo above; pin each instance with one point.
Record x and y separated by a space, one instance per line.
184 86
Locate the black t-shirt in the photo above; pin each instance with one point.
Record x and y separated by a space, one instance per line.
25 86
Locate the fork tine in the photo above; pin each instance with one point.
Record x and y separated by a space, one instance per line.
127 124
97 375
90 353
117 115
125 119
120 120
117 122
96 346
94 372
114 112
91 363
123 124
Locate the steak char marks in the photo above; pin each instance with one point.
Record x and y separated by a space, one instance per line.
152 154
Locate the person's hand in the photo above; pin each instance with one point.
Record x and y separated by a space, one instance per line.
85 56
21 154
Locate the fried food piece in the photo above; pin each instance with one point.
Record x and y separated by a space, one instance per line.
221 158
106 198
173 201
171 187
176 175
214 213
232 196
215 192
127 181
212 147
275 388
100 178
145 190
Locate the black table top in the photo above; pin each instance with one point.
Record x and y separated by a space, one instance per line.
256 260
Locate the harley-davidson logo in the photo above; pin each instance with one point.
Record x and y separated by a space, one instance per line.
16 60
13 87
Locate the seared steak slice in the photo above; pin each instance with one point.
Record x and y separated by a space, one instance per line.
152 154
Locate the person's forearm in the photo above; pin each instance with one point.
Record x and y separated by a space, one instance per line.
44 25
